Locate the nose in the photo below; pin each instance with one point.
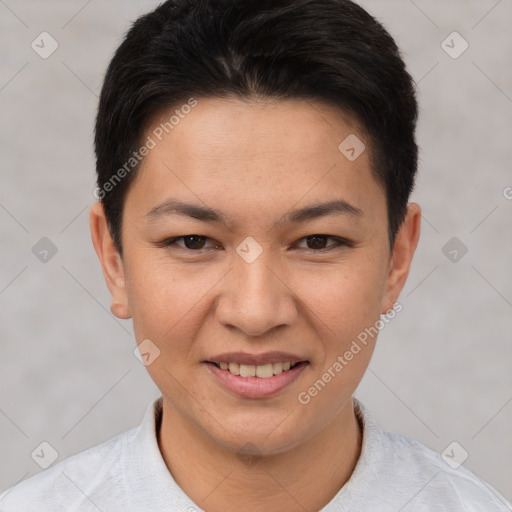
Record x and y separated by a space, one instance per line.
256 298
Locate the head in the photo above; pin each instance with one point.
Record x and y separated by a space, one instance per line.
281 134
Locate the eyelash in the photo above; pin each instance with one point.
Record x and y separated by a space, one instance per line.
340 242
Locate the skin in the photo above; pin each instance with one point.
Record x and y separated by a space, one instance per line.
255 161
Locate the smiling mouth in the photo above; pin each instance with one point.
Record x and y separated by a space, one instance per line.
263 371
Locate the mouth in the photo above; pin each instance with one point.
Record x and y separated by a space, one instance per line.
255 376
261 371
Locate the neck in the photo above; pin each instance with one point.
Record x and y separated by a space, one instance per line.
306 477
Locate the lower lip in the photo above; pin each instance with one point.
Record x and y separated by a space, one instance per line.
255 387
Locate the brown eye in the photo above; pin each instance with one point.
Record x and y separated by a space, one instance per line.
318 243
190 242
194 241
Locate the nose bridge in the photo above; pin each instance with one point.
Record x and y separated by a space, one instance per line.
256 300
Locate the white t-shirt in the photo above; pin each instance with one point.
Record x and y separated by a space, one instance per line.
128 474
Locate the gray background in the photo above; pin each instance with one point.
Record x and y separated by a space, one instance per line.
441 371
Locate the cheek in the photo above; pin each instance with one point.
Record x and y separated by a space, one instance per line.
343 299
344 305
167 301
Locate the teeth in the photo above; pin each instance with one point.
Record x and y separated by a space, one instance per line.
278 368
247 370
234 368
263 371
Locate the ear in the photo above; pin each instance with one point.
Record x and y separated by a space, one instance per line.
403 251
111 261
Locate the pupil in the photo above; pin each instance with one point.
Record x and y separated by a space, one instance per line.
316 238
197 242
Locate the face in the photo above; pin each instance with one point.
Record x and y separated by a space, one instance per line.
249 238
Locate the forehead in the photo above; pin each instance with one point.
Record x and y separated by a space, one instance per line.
264 153
253 128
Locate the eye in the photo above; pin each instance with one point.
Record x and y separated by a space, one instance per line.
317 243
191 242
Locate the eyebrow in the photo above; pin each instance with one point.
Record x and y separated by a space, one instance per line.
205 214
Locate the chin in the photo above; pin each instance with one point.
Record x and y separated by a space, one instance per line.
259 438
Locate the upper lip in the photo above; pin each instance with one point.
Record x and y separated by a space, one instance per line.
256 359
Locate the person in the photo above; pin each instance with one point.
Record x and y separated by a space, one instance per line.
255 160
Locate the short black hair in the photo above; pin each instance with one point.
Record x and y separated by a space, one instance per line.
329 50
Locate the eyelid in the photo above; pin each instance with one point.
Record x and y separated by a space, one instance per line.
169 242
339 243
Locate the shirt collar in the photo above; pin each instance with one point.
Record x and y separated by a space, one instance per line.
151 471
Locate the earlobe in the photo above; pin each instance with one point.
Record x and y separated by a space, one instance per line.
389 306
403 251
111 262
